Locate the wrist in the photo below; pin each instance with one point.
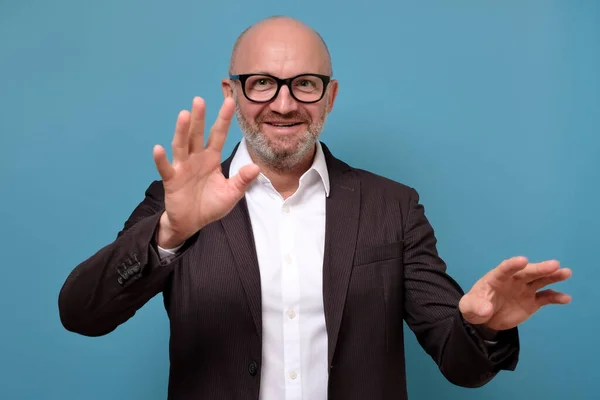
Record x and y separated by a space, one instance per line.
166 237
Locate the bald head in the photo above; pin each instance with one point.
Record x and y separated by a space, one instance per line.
288 35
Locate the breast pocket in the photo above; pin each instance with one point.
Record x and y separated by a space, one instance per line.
378 253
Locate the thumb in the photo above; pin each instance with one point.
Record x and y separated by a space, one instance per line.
475 310
245 176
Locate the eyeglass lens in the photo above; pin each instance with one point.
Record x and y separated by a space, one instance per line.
304 88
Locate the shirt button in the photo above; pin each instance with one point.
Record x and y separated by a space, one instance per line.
293 375
291 314
288 258
286 209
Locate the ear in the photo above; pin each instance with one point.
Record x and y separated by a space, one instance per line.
332 91
226 87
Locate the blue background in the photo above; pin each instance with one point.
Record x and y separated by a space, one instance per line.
490 109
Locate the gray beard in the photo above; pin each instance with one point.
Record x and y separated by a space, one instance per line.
279 160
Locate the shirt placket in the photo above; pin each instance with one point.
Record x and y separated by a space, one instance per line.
290 285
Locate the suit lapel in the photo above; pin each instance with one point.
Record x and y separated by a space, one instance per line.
341 228
241 241
238 230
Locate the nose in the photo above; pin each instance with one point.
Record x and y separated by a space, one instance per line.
284 102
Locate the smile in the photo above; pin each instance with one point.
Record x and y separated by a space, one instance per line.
283 125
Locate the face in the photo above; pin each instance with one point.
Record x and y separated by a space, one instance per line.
283 131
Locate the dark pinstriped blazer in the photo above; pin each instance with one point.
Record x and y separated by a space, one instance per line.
381 268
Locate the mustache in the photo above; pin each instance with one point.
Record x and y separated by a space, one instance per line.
291 116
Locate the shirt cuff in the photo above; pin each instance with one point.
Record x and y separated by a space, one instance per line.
164 253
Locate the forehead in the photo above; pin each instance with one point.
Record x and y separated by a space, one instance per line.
282 51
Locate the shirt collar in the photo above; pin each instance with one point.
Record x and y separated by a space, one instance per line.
242 157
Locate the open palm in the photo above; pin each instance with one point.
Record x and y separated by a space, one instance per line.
510 293
196 191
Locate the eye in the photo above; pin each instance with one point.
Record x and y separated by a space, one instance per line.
306 83
260 83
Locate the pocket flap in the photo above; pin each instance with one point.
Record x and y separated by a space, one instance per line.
372 254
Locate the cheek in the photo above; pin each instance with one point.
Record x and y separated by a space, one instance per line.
251 111
318 112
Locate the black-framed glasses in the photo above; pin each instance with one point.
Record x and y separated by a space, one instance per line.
263 88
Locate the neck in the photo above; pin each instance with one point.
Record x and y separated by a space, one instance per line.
284 180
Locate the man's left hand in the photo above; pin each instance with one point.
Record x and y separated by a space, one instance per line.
510 293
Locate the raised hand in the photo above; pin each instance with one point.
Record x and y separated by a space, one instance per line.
196 191
510 293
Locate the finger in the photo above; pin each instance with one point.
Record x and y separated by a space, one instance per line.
218 132
508 268
196 131
556 276
550 296
180 139
165 169
245 176
475 310
539 270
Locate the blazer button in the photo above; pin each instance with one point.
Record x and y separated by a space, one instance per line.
253 368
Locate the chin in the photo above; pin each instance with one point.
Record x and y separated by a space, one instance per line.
291 144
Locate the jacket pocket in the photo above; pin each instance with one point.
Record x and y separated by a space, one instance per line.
378 253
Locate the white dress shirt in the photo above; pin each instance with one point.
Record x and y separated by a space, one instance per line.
289 236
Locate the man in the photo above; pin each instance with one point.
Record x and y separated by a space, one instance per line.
286 273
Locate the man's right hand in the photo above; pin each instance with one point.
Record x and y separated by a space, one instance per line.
196 191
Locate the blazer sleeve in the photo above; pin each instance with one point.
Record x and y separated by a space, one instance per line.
108 288
459 349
